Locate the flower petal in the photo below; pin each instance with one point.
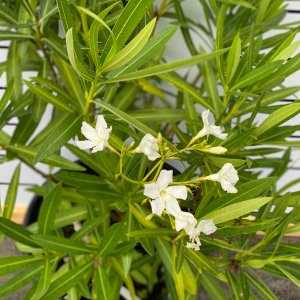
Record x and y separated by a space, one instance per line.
228 187
151 190
178 191
101 124
172 206
99 147
207 226
153 156
158 206
85 144
165 177
89 132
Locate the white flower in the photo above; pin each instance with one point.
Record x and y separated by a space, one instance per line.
214 150
194 245
149 147
207 226
227 177
210 128
165 196
185 220
96 137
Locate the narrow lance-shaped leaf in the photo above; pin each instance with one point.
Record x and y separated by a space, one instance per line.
131 50
28 152
233 58
6 96
130 17
167 67
94 34
277 117
44 280
128 119
187 88
16 232
48 209
61 134
111 238
236 210
151 49
76 58
21 279
256 75
63 283
45 95
12 263
11 196
102 288
65 14
63 245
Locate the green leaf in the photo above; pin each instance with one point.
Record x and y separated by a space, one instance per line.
57 48
63 283
167 67
11 195
288 275
241 3
152 48
48 209
64 218
12 263
12 35
128 119
278 117
128 20
100 192
261 287
151 232
66 16
14 70
64 130
77 178
233 58
236 210
21 279
201 262
185 87
256 75
210 85
177 276
111 238
16 232
75 57
179 260
44 280
53 160
130 50
8 15
45 95
102 287
63 245
94 33
85 158
6 96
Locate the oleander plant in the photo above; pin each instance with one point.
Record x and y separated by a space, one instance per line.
154 169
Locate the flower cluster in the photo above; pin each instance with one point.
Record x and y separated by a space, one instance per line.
164 193
164 197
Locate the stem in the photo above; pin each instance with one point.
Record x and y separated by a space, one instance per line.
90 97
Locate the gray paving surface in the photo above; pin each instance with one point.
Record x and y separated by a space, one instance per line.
7 248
